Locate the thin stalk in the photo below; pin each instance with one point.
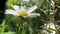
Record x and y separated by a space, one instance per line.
52 16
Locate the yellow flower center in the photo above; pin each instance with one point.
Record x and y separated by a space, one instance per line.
23 13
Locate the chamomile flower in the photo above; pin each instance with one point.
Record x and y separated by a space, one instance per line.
50 28
22 11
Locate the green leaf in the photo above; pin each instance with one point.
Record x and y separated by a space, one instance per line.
3 26
9 33
10 2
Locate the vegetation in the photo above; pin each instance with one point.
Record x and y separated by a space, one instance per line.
49 11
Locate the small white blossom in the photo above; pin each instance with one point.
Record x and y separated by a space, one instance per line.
50 25
22 11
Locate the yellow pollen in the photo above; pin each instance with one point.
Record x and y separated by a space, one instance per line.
23 13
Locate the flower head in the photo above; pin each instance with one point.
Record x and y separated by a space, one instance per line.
22 11
50 28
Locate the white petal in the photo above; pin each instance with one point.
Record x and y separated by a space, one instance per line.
33 14
52 26
15 7
32 8
10 12
23 8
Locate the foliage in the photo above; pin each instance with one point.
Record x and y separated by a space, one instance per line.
20 25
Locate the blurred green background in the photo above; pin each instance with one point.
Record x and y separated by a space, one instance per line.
31 25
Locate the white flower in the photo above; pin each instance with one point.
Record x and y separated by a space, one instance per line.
50 25
22 11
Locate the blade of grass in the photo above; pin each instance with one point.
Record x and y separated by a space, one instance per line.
3 26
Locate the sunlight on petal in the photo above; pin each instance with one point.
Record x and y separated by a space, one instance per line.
33 15
52 26
15 7
22 8
31 9
10 12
